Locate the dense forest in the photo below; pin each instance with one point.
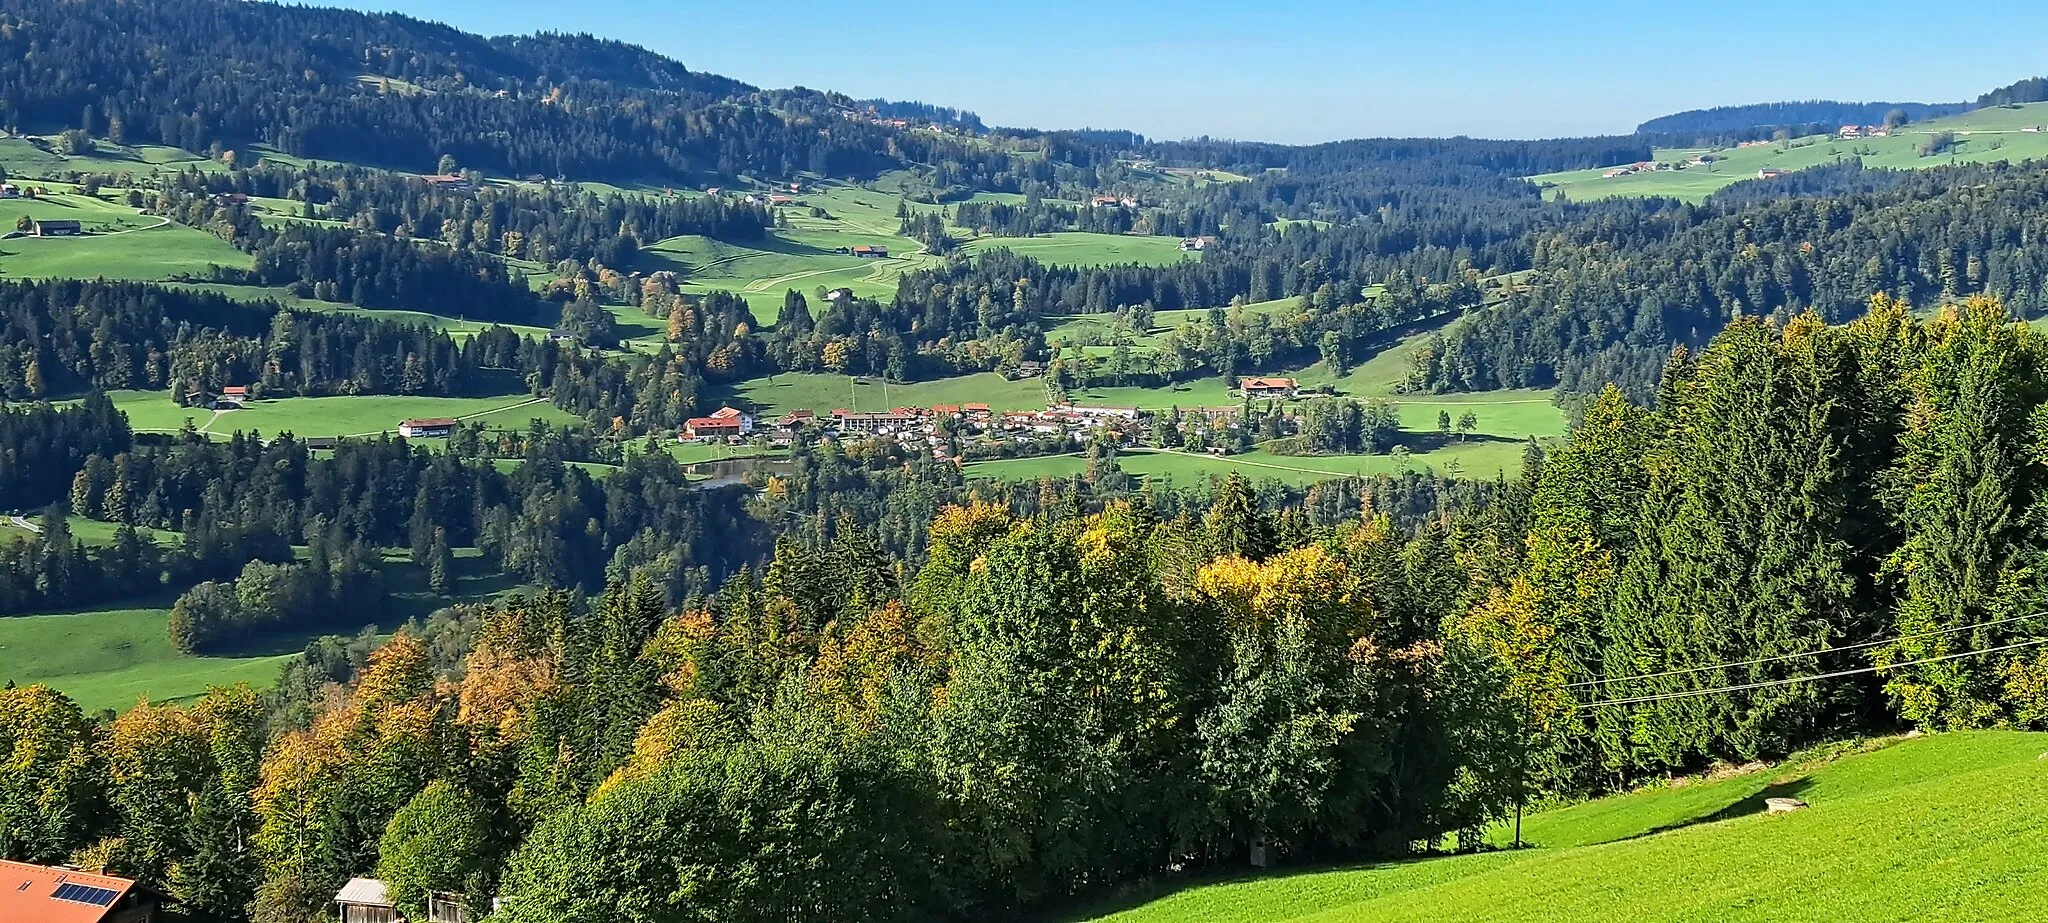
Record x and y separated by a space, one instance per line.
1823 112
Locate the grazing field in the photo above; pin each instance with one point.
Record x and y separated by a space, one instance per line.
32 156
1078 248
107 657
89 531
366 415
1983 136
1946 827
783 393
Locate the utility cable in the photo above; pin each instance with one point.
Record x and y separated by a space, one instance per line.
1661 697
1829 650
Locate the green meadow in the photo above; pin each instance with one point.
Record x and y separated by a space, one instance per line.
1947 827
363 415
1997 134
112 655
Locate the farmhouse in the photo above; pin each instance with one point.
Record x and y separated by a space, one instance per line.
448 181
1267 387
1878 132
41 894
839 294
561 335
1617 171
58 228
780 200
1192 244
232 396
871 253
365 900
795 420
1851 131
9 191
1769 174
427 428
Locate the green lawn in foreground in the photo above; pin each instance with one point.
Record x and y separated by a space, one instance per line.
332 416
1950 827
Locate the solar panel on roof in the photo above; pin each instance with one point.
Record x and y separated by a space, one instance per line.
85 894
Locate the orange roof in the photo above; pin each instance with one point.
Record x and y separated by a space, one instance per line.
725 413
28 894
430 421
1252 383
976 408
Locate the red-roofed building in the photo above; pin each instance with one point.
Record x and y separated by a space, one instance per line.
40 894
975 410
725 423
866 252
1267 387
428 428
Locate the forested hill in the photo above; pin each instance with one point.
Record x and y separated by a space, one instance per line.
1810 112
396 91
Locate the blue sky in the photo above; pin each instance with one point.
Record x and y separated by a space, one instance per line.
1303 72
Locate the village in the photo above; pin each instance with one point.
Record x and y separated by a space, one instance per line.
973 431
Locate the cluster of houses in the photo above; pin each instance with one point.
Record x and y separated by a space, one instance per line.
919 426
1113 201
1853 132
1647 166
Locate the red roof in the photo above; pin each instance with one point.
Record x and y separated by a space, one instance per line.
235 391
712 423
28 894
1255 384
430 421
726 413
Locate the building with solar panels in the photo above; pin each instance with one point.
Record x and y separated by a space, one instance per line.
45 894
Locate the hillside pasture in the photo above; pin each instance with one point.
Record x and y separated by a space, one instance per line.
1997 134
1944 827
361 415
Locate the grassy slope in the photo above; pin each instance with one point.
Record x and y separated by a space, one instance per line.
1950 827
1984 136
108 656
119 244
330 416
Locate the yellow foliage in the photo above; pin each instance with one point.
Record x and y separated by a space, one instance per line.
1303 583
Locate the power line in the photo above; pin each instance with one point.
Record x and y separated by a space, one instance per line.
1638 700
1828 650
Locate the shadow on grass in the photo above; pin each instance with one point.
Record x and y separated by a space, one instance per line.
1756 803
1137 894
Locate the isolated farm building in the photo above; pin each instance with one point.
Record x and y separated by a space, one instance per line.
428 428
1268 387
41 894
1617 171
58 228
867 252
448 181
232 198
233 395
321 442
1192 244
715 191
839 294
780 200
365 900
562 335
8 191
1769 174
1851 131
1105 201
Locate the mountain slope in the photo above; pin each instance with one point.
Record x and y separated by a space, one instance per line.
1810 112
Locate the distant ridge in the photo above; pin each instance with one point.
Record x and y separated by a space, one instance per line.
1810 112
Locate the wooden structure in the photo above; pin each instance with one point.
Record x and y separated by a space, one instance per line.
365 900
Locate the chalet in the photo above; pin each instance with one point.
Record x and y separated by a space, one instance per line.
839 294
365 900
58 228
870 253
427 428
1193 244
725 424
1850 131
1267 387
233 395
42 894
1769 174
449 182
561 335
9 191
